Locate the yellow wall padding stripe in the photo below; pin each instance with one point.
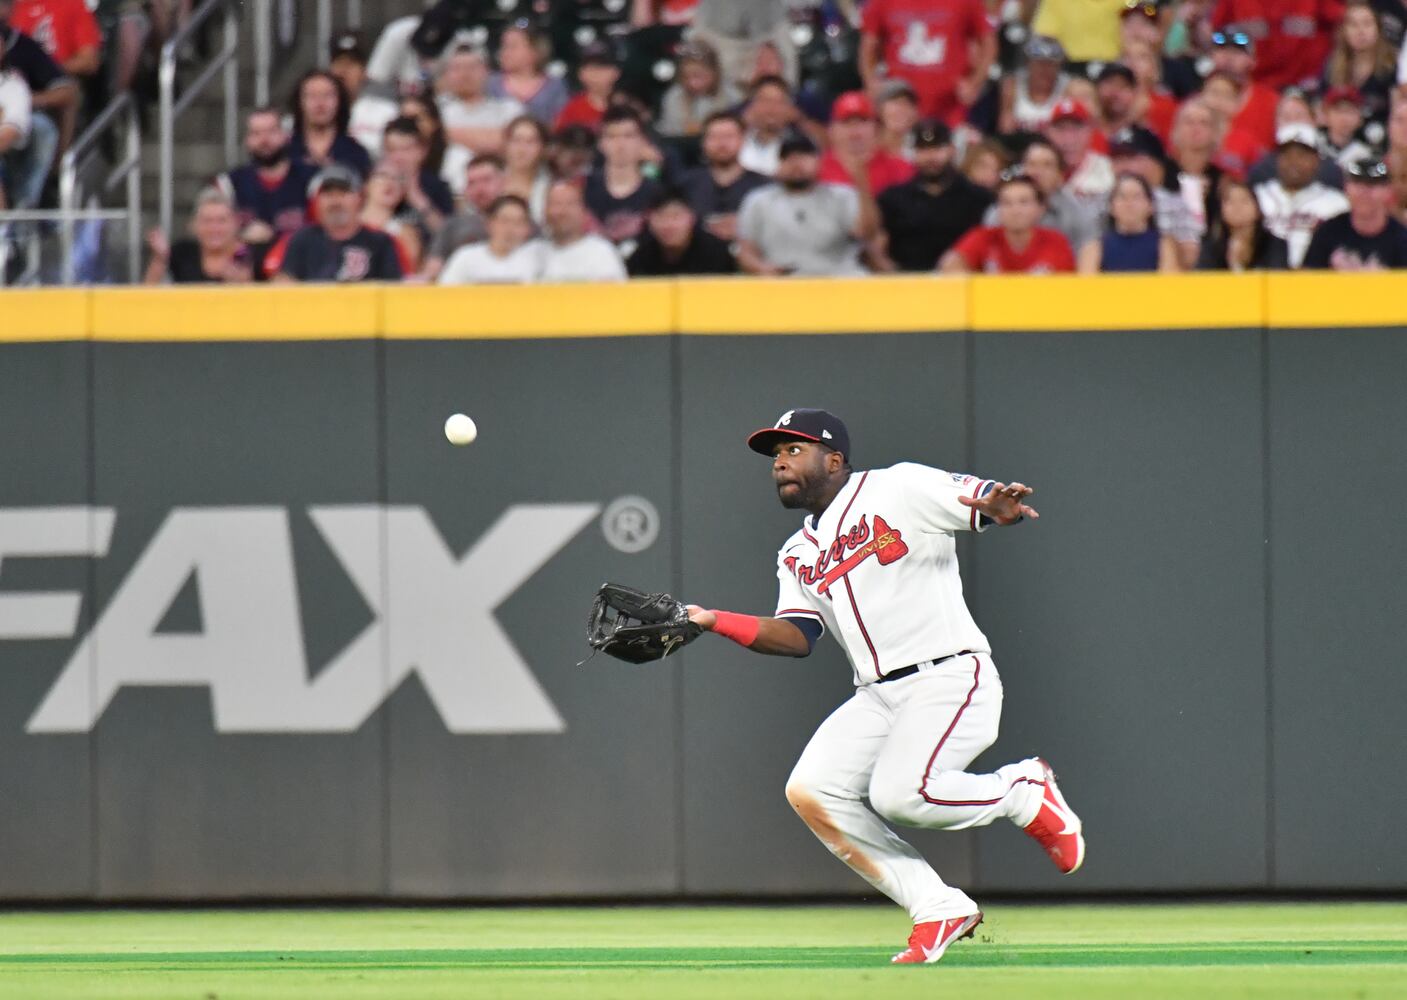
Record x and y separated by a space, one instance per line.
708 306
44 314
822 305
492 311
1117 302
1344 300
261 312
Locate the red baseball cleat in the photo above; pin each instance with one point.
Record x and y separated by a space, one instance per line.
929 940
1057 828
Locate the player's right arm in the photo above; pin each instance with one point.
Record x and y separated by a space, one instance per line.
771 636
791 631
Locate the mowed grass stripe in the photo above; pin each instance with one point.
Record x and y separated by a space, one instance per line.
980 955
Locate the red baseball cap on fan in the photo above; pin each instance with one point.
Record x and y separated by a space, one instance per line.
855 104
1069 110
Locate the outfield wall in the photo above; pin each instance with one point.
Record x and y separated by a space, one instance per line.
263 632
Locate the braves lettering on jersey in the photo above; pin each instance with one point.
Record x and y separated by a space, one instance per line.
879 568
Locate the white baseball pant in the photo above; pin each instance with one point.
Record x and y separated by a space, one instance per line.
903 744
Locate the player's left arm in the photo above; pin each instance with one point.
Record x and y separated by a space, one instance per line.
1004 503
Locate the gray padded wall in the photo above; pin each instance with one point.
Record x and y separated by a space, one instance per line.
184 811
1337 468
47 830
1130 624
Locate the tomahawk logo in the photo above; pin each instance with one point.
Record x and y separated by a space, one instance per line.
434 615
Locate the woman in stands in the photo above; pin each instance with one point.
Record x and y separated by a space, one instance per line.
1363 59
1238 239
510 256
214 254
449 162
697 92
521 54
525 163
1131 240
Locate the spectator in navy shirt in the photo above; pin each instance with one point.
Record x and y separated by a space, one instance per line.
270 192
428 201
717 188
321 113
617 192
339 248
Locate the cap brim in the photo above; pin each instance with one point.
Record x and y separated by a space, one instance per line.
765 440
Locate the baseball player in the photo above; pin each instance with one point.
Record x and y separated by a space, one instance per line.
874 564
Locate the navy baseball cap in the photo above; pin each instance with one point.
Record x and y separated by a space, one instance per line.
803 425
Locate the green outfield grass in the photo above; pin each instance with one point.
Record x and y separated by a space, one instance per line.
1341 951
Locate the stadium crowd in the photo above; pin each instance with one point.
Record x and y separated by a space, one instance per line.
487 142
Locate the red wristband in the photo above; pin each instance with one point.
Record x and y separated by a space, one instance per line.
742 629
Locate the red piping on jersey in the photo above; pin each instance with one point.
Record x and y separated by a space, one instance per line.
807 535
983 802
796 611
923 779
853 606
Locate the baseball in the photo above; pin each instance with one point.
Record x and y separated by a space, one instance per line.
461 429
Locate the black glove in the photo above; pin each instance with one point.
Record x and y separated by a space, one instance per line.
638 627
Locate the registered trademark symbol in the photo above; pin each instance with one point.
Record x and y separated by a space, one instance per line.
631 524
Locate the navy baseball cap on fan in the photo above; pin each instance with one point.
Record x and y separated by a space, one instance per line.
803 425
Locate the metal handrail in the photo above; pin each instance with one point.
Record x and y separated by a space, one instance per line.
84 148
172 108
325 30
264 40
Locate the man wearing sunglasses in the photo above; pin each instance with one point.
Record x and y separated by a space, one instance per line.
1235 56
1292 37
1366 237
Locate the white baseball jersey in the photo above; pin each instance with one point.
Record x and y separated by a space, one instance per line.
1294 217
879 568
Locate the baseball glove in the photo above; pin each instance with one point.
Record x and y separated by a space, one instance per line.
638 627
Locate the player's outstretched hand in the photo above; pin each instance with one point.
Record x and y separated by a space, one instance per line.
702 618
1003 504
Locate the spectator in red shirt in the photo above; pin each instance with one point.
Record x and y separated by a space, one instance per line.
943 47
598 75
1253 110
855 136
1292 37
65 28
1016 245
1238 150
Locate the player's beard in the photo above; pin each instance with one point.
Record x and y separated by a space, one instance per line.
799 499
